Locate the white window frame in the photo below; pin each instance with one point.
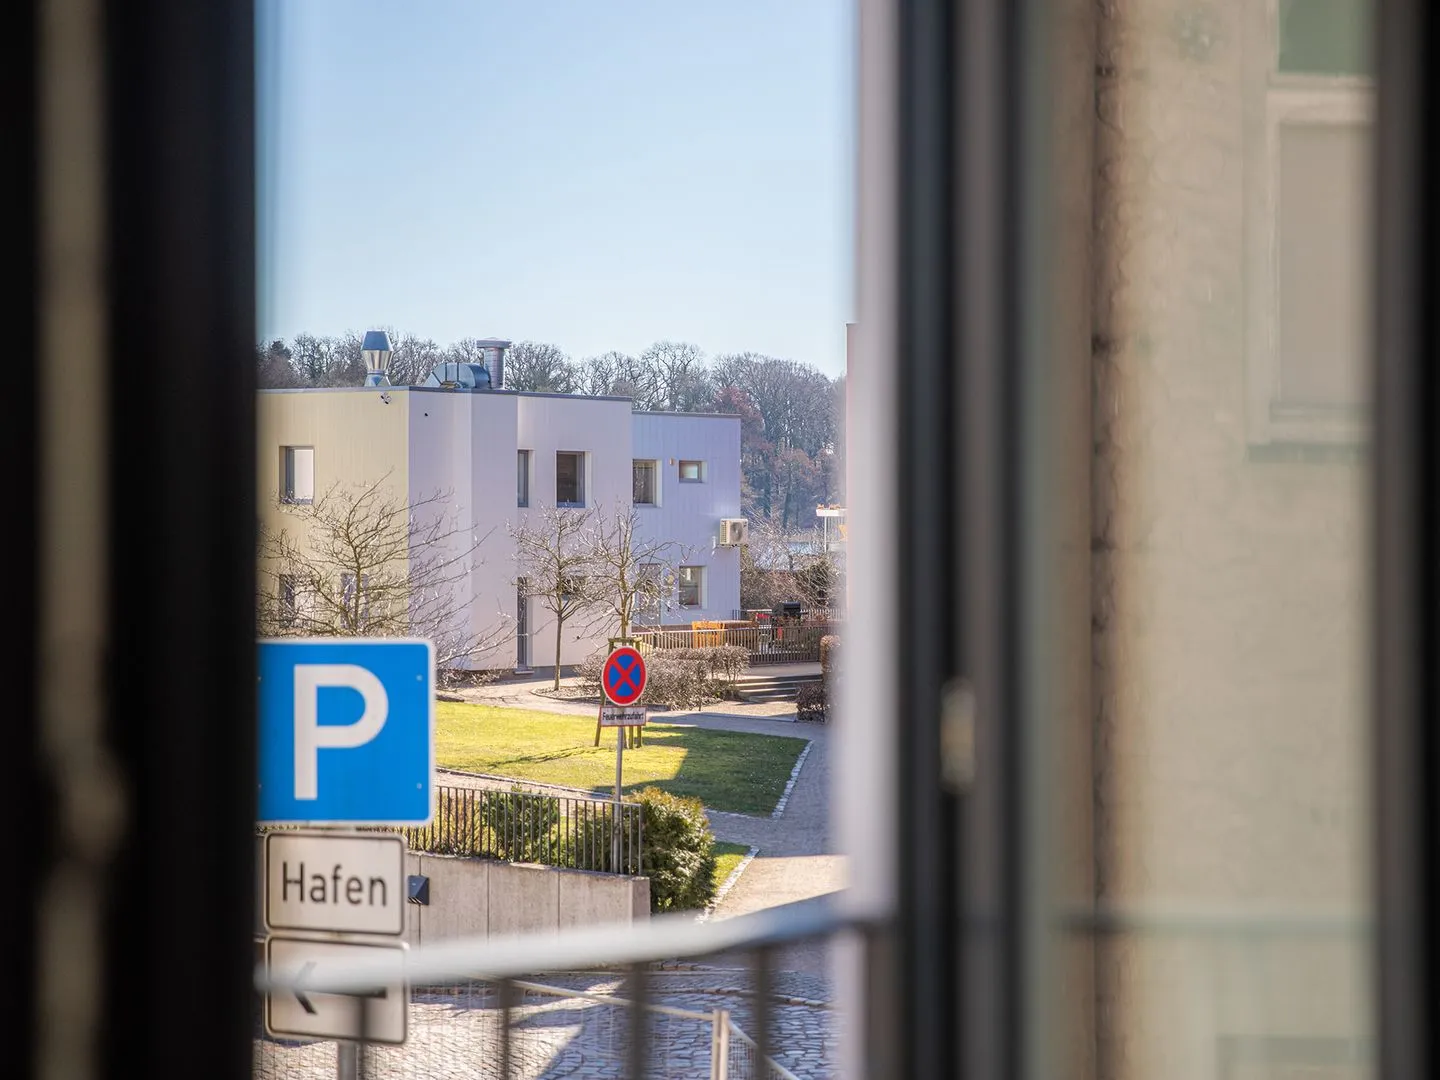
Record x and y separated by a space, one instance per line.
654 467
524 476
1285 99
288 473
699 477
582 479
699 587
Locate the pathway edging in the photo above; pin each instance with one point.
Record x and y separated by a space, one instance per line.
728 884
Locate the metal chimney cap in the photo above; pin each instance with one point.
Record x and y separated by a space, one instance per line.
493 343
376 340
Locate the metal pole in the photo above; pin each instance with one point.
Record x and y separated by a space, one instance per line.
347 1059
615 831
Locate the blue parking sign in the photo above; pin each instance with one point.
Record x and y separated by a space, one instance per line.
347 731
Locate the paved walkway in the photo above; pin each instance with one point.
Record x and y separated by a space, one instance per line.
796 860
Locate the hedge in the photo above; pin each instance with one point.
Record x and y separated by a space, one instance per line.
679 677
679 854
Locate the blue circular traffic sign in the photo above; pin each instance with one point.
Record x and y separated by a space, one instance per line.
623 678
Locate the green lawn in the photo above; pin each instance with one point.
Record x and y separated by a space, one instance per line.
727 857
726 770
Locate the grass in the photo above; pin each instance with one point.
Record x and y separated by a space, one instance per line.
727 857
726 770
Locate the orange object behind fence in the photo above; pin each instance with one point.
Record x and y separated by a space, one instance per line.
714 633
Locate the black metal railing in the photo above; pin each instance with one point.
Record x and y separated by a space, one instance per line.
513 825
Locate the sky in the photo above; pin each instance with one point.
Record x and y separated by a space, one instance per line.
597 175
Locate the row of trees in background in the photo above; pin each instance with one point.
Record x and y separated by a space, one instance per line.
791 414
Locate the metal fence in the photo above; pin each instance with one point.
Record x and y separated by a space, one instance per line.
779 644
571 832
529 1029
588 1003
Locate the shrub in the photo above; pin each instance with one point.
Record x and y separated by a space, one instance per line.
678 677
828 645
679 856
522 827
811 703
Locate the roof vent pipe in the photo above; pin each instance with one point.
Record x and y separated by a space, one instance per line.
375 348
493 350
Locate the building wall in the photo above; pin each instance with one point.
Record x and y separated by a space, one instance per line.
690 513
461 455
357 437
601 429
454 453
1230 689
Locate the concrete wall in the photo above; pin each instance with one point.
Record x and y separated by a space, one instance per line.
690 513
483 898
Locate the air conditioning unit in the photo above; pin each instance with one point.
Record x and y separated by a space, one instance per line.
734 531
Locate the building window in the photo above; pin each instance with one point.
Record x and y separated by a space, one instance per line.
569 478
297 474
692 586
357 614
522 478
1325 37
645 493
289 609
1308 214
692 472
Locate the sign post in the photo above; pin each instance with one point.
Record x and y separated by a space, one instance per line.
622 681
346 739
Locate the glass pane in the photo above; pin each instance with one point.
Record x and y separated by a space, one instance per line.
1226 761
1325 37
1322 219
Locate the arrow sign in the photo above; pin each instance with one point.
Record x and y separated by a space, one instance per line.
623 677
305 1009
300 989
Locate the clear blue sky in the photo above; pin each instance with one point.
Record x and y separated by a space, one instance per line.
594 174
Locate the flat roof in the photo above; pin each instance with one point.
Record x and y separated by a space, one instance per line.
444 390
480 390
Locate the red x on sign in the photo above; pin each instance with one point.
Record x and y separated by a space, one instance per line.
623 678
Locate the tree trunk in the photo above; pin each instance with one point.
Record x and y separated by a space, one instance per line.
559 627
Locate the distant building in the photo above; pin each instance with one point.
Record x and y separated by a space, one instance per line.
501 454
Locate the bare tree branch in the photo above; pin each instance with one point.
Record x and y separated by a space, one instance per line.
362 562
631 574
554 561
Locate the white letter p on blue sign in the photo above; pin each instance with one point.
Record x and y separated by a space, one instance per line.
310 735
346 731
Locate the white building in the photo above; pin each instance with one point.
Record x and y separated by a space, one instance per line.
498 456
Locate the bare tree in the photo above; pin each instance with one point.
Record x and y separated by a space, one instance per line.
360 561
778 564
677 372
601 376
554 556
534 365
630 573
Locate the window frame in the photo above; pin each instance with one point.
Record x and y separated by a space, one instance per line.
1289 99
699 586
524 476
581 468
698 478
654 466
287 474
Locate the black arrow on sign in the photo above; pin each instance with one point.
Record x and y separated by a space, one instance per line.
299 990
